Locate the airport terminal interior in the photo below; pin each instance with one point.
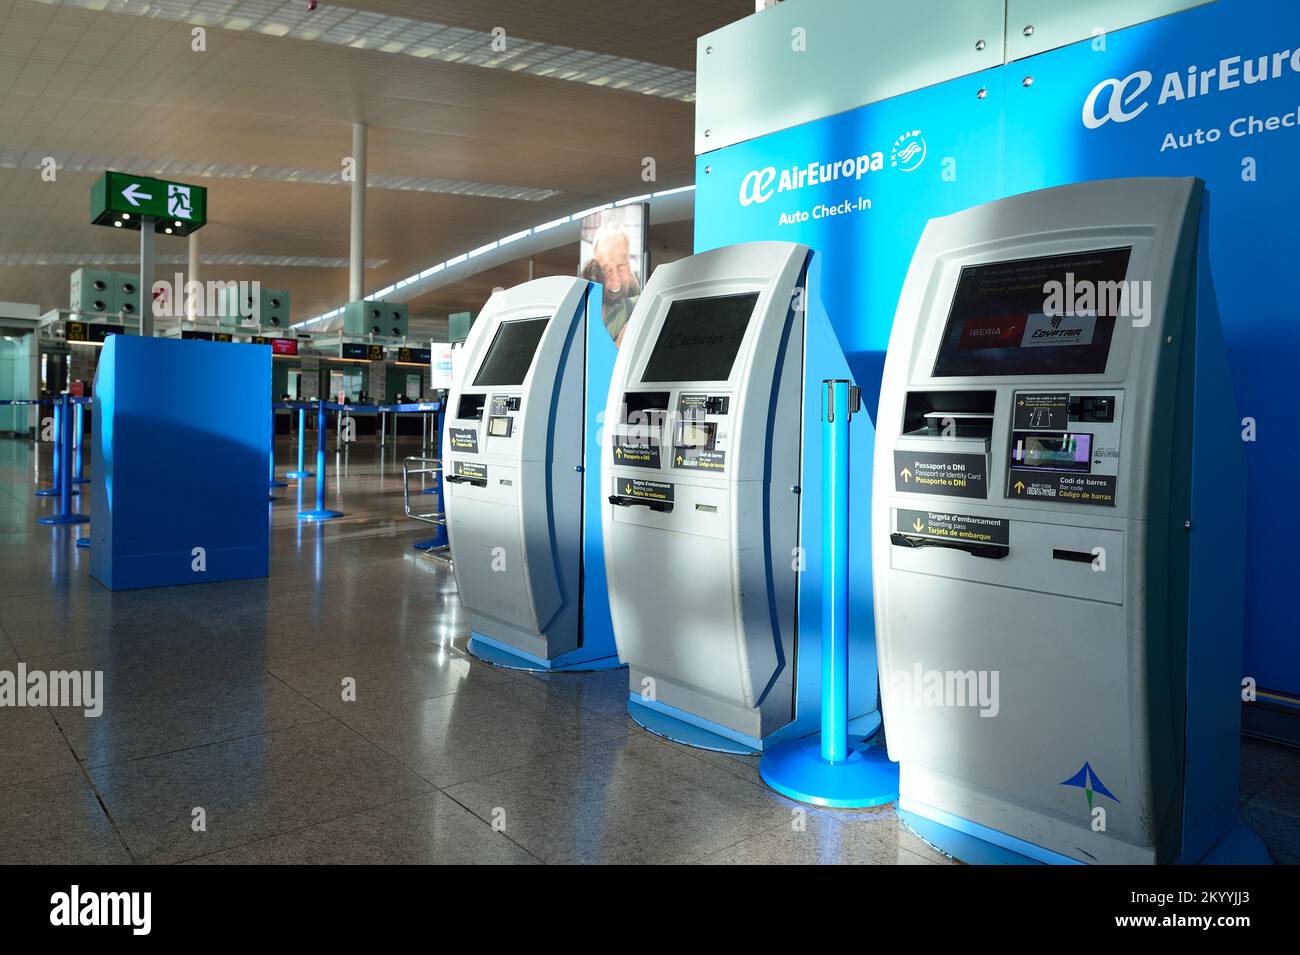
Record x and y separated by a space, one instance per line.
607 432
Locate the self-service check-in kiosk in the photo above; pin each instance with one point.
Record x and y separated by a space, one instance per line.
514 468
706 458
1058 528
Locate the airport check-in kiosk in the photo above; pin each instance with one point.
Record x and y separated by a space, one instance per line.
1059 502
702 470
513 466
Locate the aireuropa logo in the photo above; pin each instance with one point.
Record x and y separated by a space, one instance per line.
1116 100
759 185
1120 95
908 151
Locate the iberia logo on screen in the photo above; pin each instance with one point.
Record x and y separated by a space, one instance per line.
993 331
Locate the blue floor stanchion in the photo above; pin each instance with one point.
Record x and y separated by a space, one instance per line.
826 770
302 471
79 438
64 438
436 427
53 490
321 513
271 455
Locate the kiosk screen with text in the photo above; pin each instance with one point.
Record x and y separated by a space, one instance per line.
700 338
1044 316
511 353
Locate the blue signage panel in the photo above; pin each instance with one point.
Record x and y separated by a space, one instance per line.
1214 93
858 188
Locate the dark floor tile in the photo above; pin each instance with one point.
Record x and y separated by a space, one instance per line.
430 829
56 821
386 677
1280 832
479 730
31 745
250 788
630 800
822 837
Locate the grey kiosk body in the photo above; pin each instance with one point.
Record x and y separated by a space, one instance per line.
513 470
1058 531
702 460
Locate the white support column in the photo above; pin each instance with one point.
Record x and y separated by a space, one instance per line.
146 276
194 296
357 239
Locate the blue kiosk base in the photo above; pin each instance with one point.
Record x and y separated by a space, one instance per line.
323 514
510 658
677 726
663 721
797 769
973 844
64 519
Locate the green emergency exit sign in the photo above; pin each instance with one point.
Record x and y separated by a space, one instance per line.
120 200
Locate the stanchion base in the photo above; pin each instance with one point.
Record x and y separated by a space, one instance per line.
64 519
430 543
277 484
81 481
489 651
430 490
325 515
298 475
796 769
83 541
47 492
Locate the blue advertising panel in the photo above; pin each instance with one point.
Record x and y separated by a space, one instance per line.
1212 92
858 188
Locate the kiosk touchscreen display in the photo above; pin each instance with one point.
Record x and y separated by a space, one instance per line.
700 338
511 353
1044 316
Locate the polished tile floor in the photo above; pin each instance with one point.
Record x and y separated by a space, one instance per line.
224 706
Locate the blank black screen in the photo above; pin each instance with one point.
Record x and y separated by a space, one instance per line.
511 353
997 326
700 338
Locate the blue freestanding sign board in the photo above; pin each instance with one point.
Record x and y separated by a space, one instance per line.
181 441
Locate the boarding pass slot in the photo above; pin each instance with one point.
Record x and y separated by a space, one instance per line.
988 551
622 500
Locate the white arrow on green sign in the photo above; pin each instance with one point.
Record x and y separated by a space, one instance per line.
121 199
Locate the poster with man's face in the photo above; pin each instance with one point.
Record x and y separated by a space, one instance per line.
613 255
